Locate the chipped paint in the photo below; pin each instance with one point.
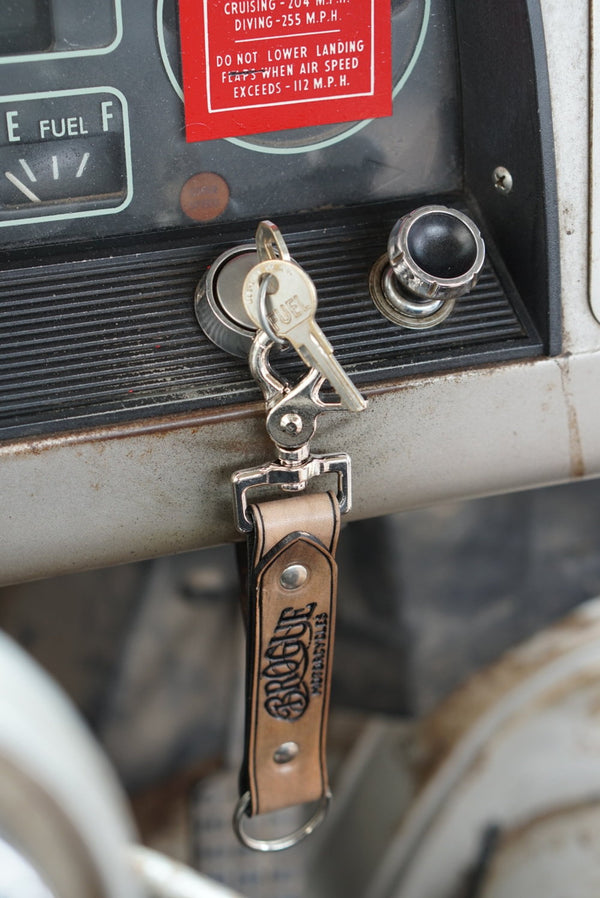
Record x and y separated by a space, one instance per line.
523 750
575 443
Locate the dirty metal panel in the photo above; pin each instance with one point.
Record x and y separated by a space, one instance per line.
129 493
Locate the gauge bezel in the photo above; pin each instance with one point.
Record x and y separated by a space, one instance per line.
47 216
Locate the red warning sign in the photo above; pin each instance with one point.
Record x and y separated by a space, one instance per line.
251 66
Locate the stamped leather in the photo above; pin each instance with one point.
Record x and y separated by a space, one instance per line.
290 650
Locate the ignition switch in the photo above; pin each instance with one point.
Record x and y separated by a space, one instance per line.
435 255
218 301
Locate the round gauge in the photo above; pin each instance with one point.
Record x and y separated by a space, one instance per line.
410 20
33 29
63 154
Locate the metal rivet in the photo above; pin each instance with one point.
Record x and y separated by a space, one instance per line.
285 753
291 423
294 576
503 181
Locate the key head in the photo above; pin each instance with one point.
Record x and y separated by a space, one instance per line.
291 316
270 244
292 302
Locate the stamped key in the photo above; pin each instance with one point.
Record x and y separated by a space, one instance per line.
291 307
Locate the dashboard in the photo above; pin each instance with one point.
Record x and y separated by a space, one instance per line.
111 86
111 397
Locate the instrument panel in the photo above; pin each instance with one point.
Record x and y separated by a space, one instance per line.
93 145
109 220
109 217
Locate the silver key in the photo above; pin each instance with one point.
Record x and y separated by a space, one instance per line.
270 243
291 307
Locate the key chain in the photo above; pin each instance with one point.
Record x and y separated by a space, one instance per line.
292 573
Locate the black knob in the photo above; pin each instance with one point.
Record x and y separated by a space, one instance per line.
436 252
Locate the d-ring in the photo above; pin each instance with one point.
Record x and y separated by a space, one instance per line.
283 842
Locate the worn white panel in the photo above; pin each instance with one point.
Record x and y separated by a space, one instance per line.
566 28
595 159
115 496
105 497
470 434
516 748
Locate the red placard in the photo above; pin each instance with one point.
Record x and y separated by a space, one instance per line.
251 66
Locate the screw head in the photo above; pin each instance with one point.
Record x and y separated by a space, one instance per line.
291 423
503 180
294 576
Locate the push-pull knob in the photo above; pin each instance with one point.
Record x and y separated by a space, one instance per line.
435 255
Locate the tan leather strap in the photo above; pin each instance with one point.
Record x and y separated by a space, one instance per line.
291 620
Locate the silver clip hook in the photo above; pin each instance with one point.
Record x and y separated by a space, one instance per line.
292 413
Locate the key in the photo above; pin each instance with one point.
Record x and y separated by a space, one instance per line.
291 306
270 243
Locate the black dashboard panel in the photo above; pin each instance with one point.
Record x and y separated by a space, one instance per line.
108 217
97 340
417 152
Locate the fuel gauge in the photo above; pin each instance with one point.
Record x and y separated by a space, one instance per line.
63 155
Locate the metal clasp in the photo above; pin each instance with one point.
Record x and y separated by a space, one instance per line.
293 478
292 413
283 842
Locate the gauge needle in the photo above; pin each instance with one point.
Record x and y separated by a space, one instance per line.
22 187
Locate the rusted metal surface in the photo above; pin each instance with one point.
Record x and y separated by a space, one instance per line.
518 745
553 855
565 27
437 734
109 496
92 498
418 802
